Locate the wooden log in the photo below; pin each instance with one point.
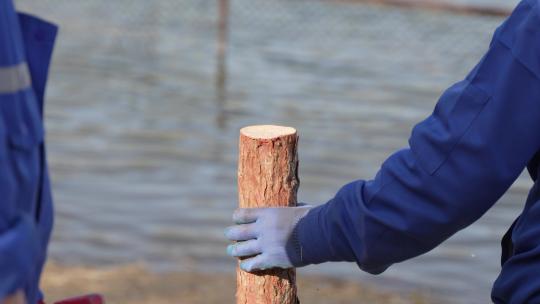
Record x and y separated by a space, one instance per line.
267 177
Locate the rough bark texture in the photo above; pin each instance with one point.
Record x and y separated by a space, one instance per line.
267 177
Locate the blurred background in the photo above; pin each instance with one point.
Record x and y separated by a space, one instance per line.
143 121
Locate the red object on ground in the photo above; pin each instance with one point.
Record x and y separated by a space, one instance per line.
88 299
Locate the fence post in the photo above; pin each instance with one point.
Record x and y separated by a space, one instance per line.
267 177
221 59
223 31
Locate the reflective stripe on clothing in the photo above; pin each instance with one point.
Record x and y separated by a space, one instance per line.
14 78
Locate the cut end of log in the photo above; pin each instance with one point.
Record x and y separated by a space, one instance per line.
267 131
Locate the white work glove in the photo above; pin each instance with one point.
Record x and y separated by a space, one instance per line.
266 238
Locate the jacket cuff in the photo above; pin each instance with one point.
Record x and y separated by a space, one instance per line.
313 246
18 248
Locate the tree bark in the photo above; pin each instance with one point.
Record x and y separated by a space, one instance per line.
267 177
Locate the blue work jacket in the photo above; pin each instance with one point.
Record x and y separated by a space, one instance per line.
26 214
482 134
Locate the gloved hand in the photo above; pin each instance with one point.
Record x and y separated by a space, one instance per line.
266 237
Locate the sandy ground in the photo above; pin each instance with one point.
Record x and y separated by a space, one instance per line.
135 284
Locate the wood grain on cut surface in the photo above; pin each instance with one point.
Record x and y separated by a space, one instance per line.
267 177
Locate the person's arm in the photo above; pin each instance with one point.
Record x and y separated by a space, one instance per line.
461 160
19 243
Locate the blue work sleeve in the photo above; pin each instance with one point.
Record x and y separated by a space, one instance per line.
459 162
18 248
19 242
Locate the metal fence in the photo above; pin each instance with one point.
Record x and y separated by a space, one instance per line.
257 24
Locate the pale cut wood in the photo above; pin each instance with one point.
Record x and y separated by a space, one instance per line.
267 177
